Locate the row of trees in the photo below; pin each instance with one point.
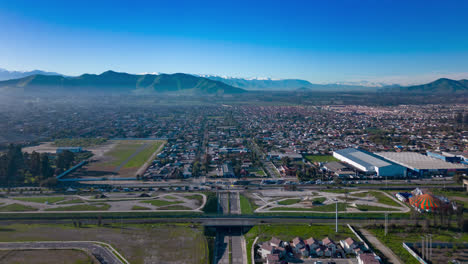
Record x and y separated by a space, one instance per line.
17 167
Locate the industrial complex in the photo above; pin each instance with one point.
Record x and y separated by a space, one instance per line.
397 164
369 163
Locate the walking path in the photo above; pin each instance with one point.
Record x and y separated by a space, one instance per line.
392 258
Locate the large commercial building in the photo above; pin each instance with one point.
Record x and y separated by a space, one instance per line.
369 163
423 165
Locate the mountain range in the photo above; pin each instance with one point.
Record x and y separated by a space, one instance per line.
442 85
267 84
180 83
8 75
116 82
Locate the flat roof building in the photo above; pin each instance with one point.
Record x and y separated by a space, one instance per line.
369 163
71 149
422 164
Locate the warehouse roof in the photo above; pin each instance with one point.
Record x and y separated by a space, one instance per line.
363 158
418 161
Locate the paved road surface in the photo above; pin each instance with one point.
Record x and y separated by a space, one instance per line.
101 253
234 203
229 247
392 258
222 249
218 221
236 250
223 202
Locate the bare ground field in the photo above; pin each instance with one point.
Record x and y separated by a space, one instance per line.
139 244
46 257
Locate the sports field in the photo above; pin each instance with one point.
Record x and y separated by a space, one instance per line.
122 159
320 158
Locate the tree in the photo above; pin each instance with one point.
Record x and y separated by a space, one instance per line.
46 169
65 160
35 164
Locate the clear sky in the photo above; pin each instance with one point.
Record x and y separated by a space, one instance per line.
320 41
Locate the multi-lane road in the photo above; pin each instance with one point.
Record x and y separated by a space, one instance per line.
230 244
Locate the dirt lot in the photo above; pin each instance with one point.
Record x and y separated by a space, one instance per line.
161 243
46 257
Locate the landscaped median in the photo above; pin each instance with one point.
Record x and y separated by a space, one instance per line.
109 202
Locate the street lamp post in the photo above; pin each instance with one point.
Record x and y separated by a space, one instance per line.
336 215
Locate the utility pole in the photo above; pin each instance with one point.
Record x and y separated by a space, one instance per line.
430 244
336 215
422 247
386 223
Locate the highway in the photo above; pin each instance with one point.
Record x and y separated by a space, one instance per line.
101 253
219 221
229 248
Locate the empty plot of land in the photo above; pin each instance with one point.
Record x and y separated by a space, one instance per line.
46 256
139 244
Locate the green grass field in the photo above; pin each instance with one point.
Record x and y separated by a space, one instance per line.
246 205
82 207
319 200
320 158
122 151
175 207
363 207
17 208
161 202
51 199
144 155
289 201
126 148
73 201
384 199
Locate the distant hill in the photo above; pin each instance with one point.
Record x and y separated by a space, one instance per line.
115 82
442 85
8 75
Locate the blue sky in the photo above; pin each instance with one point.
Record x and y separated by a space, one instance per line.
320 41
